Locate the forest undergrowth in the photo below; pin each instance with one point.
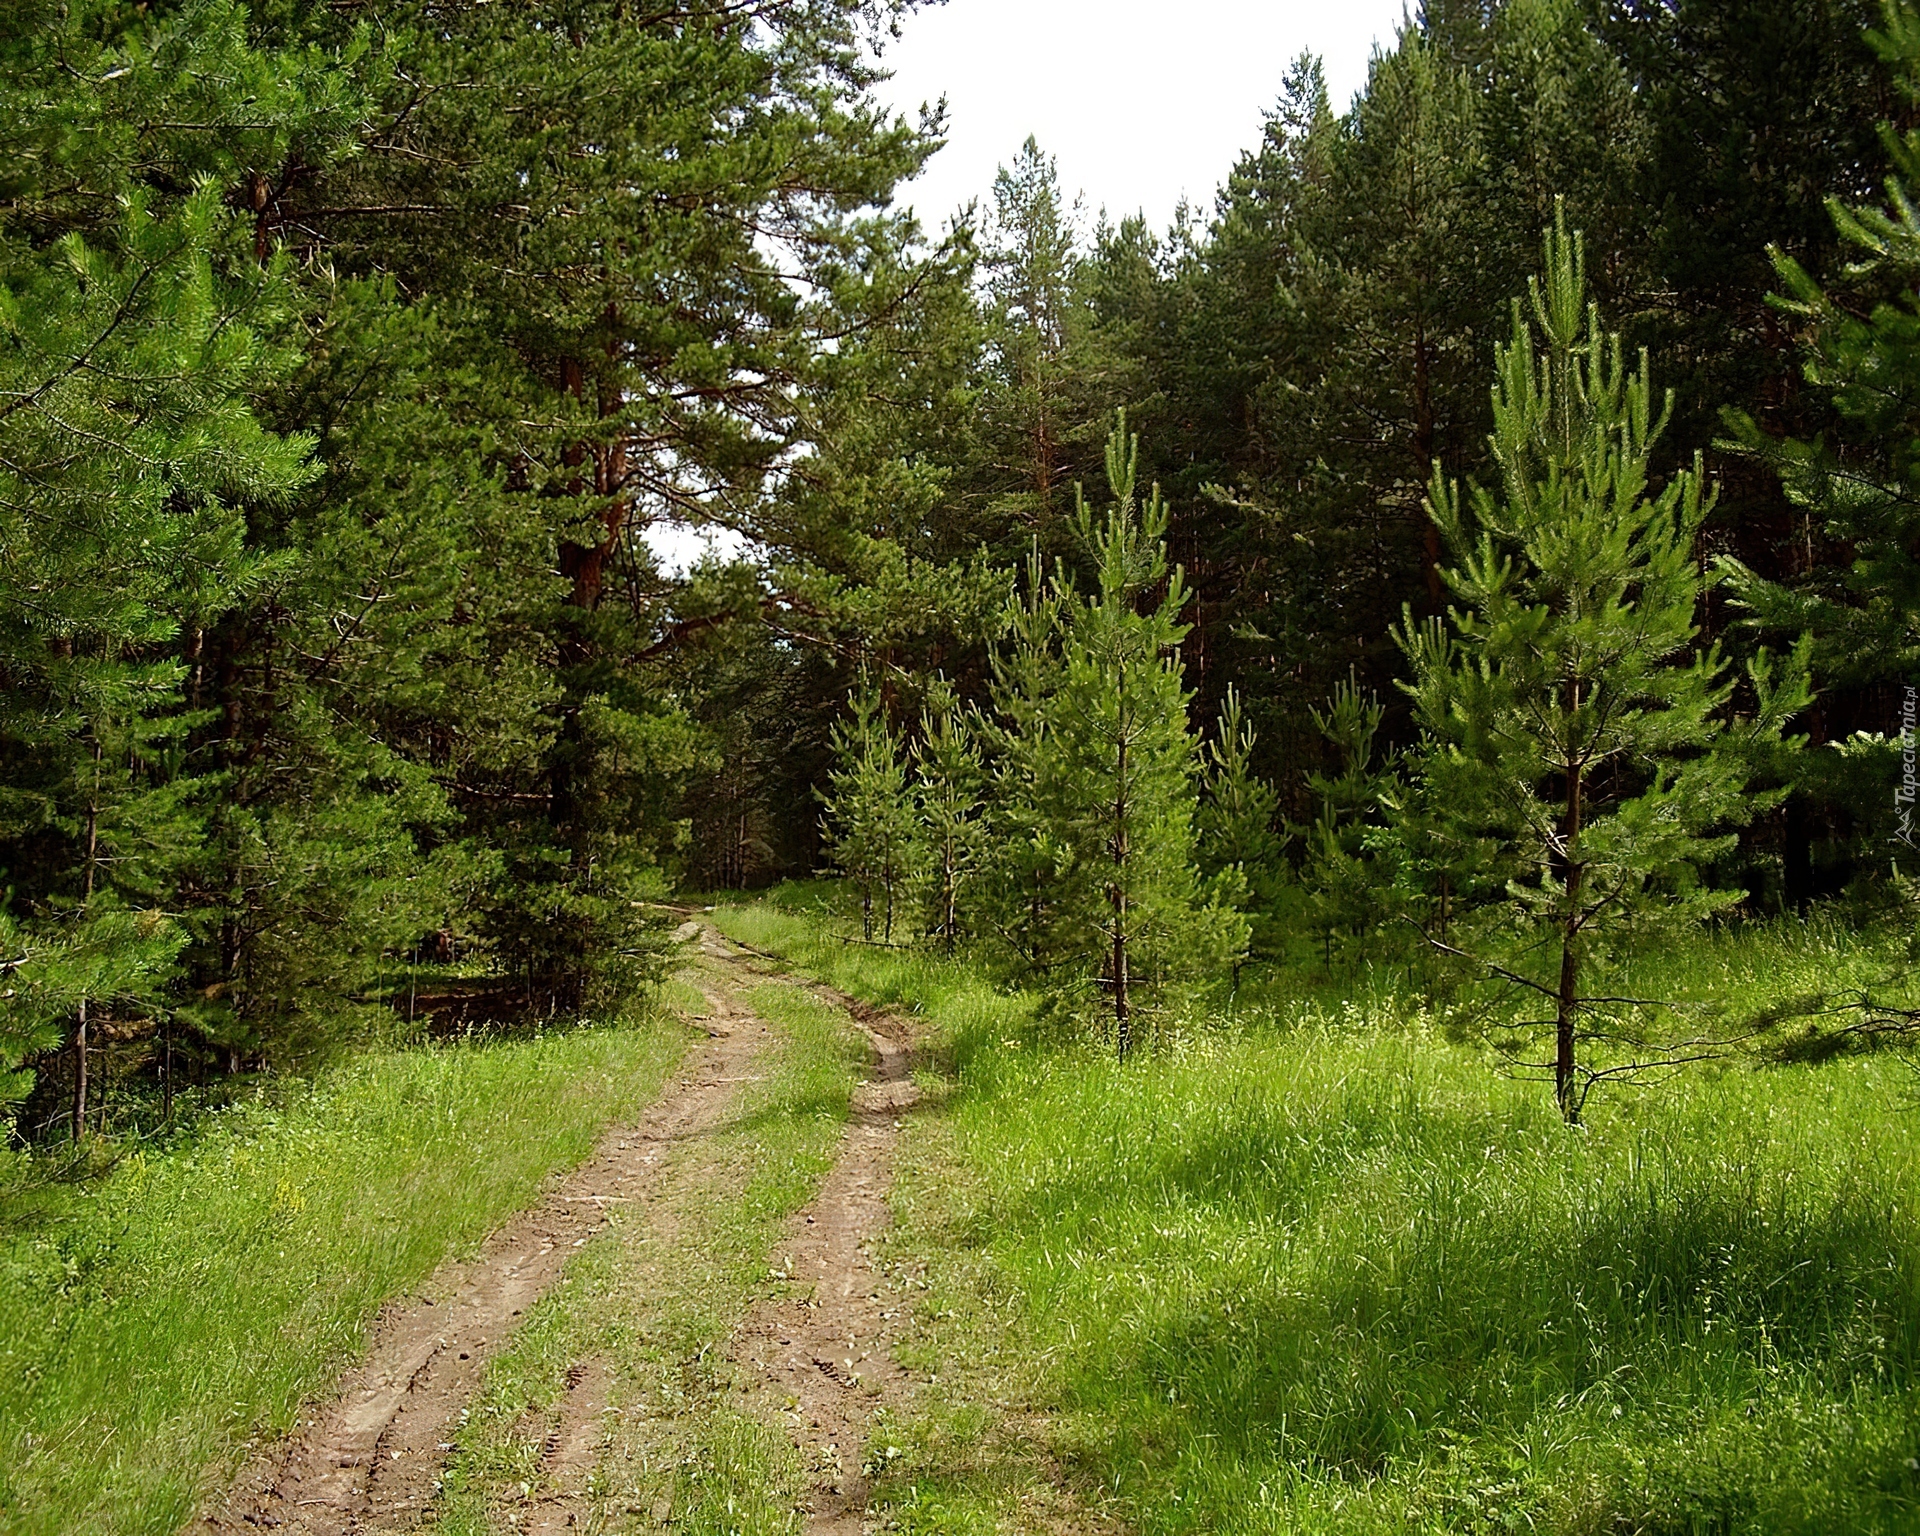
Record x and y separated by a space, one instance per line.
152 1319
1309 1265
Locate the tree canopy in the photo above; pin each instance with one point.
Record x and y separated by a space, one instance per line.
351 356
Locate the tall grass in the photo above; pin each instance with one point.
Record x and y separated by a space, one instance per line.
150 1322
798 929
1360 1270
1328 1272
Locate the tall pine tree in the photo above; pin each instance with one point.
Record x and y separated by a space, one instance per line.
1567 710
1126 764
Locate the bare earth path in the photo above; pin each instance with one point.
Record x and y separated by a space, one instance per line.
368 1461
815 1365
821 1361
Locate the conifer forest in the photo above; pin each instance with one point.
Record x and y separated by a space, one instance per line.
1266 882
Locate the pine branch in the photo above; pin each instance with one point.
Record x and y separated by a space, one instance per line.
120 317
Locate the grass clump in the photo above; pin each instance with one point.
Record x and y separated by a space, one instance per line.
153 1319
1329 1271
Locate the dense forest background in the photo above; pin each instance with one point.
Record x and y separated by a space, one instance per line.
348 352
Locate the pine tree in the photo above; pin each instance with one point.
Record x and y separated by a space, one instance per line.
618 265
1566 709
136 337
870 809
1350 891
948 787
1024 889
1240 846
1127 763
1036 420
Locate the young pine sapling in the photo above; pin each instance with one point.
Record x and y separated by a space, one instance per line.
1127 761
869 809
1240 845
947 793
1567 710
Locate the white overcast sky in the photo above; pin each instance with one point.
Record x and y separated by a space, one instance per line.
1140 101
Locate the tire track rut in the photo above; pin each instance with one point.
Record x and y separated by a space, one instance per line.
821 1363
815 1364
369 1460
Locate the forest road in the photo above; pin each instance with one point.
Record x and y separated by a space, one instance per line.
370 1459
816 1363
819 1361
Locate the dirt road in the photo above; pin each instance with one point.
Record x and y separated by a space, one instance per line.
815 1365
821 1359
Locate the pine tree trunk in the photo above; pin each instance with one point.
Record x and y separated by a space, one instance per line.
80 1029
1423 444
1568 1001
80 1076
1043 448
1568 1005
227 686
584 566
1796 857
949 915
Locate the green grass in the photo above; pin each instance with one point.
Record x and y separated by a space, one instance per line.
1325 1271
656 1312
795 928
153 1320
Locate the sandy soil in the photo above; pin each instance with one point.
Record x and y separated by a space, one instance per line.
820 1361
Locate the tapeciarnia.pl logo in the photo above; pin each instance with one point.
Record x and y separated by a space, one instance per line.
1903 797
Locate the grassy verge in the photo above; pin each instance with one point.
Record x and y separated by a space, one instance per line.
651 1302
152 1321
1327 1272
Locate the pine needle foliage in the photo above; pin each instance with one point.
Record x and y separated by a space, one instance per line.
1568 710
1124 764
1863 350
131 350
1350 884
949 784
1240 845
870 810
1023 886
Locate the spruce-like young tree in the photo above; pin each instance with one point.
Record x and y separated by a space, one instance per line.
947 792
1240 846
1024 891
1350 891
870 821
1126 762
1566 707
